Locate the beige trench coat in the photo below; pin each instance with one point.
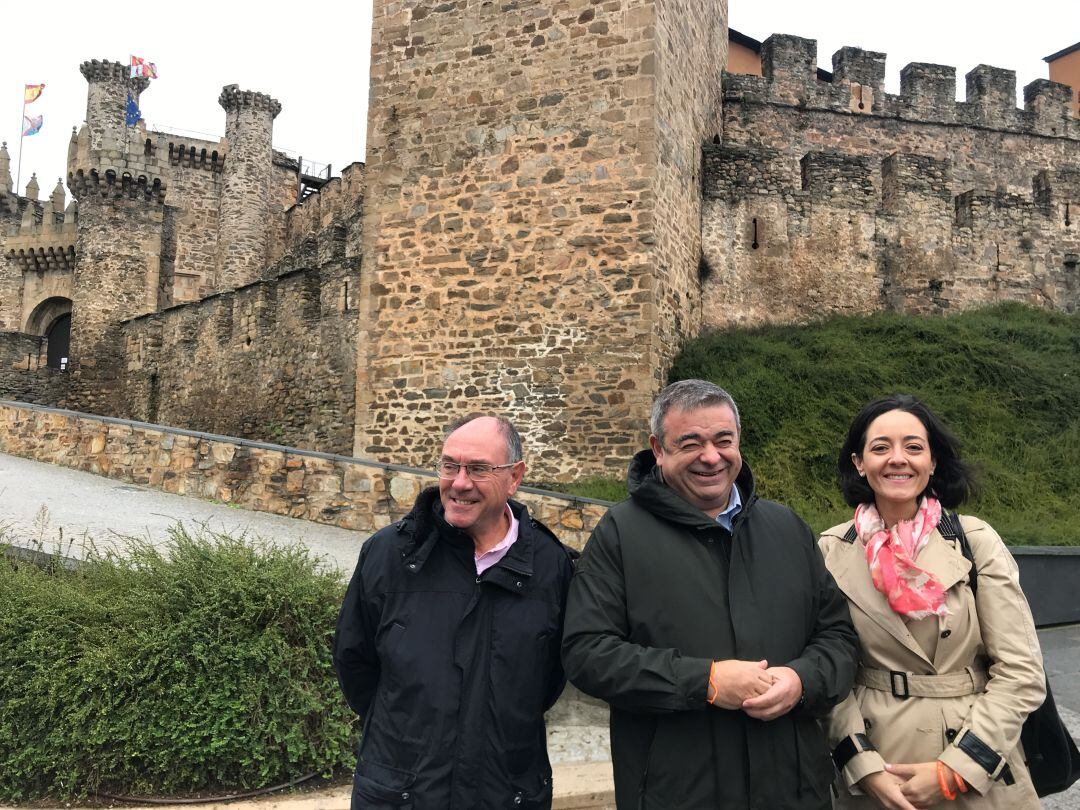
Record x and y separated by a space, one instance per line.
994 635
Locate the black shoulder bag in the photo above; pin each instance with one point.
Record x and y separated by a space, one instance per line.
1052 756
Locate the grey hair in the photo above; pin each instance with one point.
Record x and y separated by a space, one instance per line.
514 452
688 395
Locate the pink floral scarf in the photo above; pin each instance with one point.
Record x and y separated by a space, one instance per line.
891 554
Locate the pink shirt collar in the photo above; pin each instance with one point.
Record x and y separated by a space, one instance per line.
491 557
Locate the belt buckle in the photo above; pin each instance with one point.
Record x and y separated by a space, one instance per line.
893 679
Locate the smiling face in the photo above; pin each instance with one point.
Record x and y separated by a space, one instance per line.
479 507
700 455
897 463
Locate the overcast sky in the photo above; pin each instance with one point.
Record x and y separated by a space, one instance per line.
313 57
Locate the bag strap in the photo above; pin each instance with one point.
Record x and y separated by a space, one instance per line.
950 528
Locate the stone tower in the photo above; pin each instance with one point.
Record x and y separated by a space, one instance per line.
110 85
245 199
531 236
121 199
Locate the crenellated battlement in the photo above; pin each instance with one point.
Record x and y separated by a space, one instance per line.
194 156
927 91
109 184
342 196
791 237
855 182
105 70
48 244
233 98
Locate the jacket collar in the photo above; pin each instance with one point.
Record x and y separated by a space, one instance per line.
424 527
939 557
646 485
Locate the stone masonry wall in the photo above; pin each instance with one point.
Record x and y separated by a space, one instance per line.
283 187
826 198
23 373
691 49
10 292
273 360
192 213
116 277
514 258
341 198
336 490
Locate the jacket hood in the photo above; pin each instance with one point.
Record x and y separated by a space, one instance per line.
645 482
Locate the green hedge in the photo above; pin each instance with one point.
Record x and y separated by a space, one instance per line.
1006 379
200 668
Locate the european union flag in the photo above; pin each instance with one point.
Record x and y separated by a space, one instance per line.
132 114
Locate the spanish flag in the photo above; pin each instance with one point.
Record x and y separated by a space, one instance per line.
31 92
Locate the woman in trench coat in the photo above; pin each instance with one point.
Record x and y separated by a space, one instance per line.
946 677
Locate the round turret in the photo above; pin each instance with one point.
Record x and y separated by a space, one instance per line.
110 87
245 197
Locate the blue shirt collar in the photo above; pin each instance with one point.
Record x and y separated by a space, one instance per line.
734 506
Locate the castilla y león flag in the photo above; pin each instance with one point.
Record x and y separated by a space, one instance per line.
140 68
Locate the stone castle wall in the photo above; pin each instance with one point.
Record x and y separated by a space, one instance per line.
114 279
515 258
329 489
556 198
687 96
23 374
192 212
274 360
826 198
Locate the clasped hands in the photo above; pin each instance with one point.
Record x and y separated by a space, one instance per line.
910 787
763 692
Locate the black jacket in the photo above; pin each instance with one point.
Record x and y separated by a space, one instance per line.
660 592
451 673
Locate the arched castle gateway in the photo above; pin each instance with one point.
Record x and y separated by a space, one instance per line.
554 200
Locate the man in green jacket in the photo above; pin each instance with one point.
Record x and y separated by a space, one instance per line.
704 615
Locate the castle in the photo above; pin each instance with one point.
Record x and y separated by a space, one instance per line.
555 198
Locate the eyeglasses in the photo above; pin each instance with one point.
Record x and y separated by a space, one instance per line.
476 471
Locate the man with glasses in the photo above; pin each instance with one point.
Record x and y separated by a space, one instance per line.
447 645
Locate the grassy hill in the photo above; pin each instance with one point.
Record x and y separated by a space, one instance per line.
1006 379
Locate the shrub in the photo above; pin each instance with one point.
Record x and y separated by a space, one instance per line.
1006 379
202 666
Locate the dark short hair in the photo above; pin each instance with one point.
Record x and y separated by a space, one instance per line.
688 395
514 451
953 481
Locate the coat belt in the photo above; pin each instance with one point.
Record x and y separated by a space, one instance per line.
908 684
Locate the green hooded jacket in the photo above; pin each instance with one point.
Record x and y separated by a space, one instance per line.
660 592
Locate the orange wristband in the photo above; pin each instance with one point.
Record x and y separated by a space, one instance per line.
943 782
710 693
960 783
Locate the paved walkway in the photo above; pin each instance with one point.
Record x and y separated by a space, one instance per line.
61 509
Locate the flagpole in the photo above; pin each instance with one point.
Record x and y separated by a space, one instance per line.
22 134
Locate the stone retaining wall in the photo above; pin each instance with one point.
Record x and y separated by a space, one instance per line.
23 373
337 490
